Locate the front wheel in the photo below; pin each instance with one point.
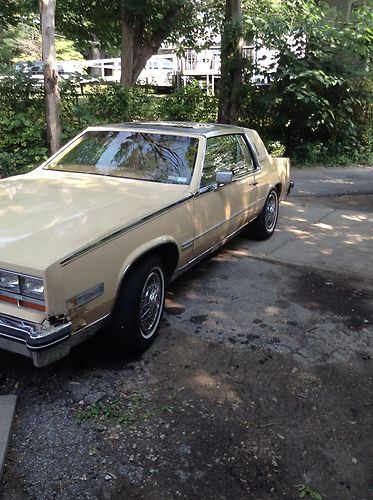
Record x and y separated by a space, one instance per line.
139 307
264 225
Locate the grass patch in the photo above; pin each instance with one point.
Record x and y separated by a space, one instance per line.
307 492
125 410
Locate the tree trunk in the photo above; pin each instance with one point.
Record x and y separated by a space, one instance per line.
136 48
94 53
127 48
51 92
231 63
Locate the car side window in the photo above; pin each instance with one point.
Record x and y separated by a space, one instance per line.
226 153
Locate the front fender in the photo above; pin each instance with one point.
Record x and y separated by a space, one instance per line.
140 252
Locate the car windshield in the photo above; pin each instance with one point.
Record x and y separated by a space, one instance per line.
136 155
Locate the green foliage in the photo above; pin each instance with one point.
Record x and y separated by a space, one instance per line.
74 115
318 108
319 104
22 130
124 410
22 138
190 103
115 411
66 50
108 103
13 10
112 103
144 104
23 43
87 21
20 43
307 492
275 148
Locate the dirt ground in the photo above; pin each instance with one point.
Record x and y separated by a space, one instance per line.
259 386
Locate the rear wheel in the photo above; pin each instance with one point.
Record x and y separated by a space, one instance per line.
139 307
264 225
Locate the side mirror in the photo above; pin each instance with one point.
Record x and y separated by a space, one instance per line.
224 177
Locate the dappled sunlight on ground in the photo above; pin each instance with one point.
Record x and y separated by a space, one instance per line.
321 225
214 388
327 251
326 237
333 181
358 218
272 310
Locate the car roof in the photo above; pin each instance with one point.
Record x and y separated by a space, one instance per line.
193 128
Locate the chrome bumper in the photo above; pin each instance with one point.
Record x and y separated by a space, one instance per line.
42 343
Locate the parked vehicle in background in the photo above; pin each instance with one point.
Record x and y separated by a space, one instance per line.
158 72
36 71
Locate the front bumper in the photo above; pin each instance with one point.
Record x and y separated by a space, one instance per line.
42 343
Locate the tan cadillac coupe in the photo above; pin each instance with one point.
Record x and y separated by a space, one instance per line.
95 233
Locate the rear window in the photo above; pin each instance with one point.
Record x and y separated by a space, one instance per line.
146 156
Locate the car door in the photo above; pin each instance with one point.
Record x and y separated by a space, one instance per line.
222 210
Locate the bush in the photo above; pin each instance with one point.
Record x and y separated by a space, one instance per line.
22 135
108 103
22 129
105 103
112 103
319 103
23 143
190 103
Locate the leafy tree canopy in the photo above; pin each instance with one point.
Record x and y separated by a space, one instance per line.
321 77
23 43
92 20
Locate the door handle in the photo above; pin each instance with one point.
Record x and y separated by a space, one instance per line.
254 184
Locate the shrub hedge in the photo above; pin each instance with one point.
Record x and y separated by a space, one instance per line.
23 139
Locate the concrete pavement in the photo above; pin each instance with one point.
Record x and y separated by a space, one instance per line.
326 222
332 239
323 181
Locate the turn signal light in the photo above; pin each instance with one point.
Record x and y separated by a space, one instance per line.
23 303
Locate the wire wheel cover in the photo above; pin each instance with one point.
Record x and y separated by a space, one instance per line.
151 302
271 211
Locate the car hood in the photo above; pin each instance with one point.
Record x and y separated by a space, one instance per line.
45 216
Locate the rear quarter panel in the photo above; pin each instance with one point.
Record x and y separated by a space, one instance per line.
272 171
283 170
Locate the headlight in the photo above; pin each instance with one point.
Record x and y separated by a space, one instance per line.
32 287
9 282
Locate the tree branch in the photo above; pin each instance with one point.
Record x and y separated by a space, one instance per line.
149 47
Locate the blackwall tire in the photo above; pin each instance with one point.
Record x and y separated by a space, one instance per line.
138 311
264 225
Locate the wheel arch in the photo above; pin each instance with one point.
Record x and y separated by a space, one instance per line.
165 249
278 188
